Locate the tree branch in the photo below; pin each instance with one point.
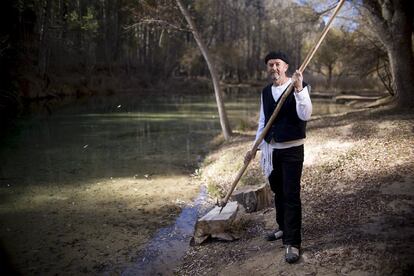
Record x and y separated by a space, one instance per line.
377 21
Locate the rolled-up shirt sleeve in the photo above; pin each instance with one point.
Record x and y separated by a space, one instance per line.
303 103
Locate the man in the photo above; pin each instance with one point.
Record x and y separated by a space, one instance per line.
282 149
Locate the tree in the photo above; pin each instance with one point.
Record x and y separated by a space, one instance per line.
392 21
328 58
224 122
9 60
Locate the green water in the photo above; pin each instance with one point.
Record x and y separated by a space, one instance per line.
88 167
121 136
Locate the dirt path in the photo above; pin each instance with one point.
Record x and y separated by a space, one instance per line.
358 203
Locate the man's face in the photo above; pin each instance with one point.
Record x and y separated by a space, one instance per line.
276 68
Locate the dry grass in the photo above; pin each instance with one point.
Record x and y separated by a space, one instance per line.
358 203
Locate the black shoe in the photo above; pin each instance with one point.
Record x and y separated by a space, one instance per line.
275 235
292 254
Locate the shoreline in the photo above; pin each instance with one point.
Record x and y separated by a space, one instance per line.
115 240
357 195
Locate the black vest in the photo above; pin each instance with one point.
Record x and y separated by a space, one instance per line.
287 126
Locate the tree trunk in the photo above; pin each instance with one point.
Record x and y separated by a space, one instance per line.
44 45
402 70
254 198
63 33
259 42
329 81
392 22
224 121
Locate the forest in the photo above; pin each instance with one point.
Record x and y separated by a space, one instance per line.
123 122
55 48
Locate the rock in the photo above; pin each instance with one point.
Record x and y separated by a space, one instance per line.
215 224
254 198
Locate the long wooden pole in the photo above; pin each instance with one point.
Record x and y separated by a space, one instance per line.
288 90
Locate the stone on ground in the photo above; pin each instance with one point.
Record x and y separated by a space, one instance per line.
215 224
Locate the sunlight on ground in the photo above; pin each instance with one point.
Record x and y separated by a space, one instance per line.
315 150
95 224
130 192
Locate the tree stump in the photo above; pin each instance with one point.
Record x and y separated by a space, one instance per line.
215 224
254 198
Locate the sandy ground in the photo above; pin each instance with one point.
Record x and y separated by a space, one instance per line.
91 229
358 203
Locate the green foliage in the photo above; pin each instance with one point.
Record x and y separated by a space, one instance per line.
214 190
87 23
150 39
192 61
331 58
74 20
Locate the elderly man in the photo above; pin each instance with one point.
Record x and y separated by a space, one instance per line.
282 149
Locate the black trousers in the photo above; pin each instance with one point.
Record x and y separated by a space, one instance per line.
285 183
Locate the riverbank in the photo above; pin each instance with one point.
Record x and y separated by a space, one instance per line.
85 189
93 193
357 195
88 229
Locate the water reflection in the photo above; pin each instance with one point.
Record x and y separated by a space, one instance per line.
105 168
122 136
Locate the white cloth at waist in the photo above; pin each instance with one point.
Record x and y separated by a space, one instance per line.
266 161
285 145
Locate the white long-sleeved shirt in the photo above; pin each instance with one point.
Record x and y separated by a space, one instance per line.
303 109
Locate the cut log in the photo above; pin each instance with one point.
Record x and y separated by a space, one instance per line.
254 198
215 224
345 98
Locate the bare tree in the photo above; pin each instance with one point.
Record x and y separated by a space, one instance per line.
224 122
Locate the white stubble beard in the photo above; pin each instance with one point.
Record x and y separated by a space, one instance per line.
275 76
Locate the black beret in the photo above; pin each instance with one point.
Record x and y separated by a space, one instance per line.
276 55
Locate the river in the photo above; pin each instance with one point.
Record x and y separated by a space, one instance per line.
95 155
122 136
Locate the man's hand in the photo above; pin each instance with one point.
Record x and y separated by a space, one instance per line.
249 155
297 80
